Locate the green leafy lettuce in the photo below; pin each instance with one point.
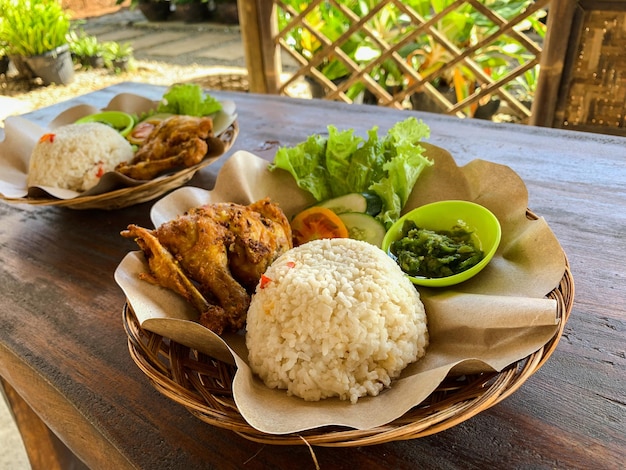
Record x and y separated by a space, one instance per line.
188 99
343 163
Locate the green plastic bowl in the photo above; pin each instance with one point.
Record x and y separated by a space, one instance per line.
443 215
118 120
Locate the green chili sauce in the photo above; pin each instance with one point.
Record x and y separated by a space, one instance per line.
435 254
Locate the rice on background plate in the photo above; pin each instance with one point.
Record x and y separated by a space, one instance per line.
334 318
75 156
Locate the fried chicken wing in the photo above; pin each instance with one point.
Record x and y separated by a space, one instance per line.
164 269
178 141
223 249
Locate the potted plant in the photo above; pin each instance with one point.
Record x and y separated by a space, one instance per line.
86 50
153 10
118 56
192 11
35 32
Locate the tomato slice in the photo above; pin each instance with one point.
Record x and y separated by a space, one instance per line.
142 129
140 133
315 223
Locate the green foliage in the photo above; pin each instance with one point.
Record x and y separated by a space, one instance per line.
33 27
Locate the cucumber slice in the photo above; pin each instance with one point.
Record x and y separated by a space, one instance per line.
368 203
374 204
353 202
364 227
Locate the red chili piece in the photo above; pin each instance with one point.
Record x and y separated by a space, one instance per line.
265 281
47 138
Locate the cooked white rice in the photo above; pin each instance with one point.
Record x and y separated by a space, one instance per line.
334 318
76 156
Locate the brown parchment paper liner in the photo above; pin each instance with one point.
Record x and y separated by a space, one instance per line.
484 324
21 136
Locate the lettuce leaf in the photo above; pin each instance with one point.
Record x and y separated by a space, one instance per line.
366 164
340 147
402 172
343 163
188 99
306 164
403 166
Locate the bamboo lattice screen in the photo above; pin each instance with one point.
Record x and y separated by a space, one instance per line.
456 60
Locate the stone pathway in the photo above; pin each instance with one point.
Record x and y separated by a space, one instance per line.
171 41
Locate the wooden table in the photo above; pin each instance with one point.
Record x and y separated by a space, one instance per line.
63 349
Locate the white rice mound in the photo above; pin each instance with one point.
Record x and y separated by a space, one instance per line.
334 318
77 156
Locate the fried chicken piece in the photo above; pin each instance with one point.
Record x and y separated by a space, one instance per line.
178 141
200 244
262 233
223 248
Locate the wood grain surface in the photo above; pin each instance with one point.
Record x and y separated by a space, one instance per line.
63 348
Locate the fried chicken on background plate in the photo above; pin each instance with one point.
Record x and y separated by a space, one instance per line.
176 142
214 256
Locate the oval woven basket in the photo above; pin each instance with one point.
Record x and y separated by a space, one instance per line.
202 384
128 196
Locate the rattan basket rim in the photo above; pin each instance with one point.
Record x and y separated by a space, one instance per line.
203 386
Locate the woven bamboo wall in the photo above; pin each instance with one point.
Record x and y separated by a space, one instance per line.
593 94
463 62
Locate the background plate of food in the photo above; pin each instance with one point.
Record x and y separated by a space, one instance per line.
486 336
91 165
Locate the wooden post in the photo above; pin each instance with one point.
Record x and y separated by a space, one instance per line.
560 20
257 19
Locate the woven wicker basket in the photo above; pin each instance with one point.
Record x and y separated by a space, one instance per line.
233 81
203 385
132 195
